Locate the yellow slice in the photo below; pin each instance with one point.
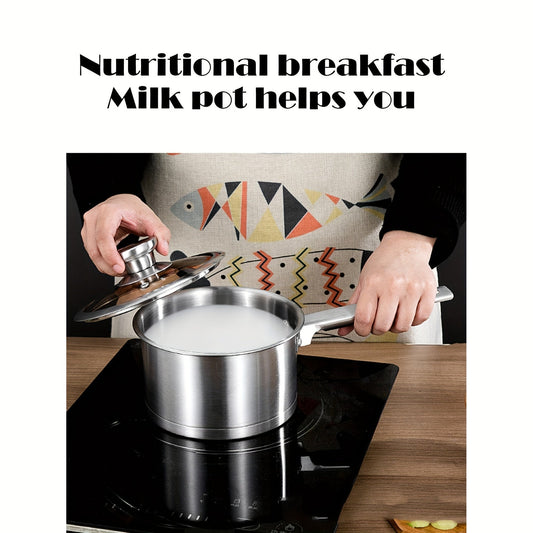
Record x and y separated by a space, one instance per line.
419 523
444 525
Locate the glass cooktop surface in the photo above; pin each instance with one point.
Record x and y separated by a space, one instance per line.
125 474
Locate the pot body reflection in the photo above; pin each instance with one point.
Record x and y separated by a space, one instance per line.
227 482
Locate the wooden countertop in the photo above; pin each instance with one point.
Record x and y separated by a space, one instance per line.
415 466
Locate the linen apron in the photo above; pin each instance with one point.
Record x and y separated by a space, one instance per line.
300 225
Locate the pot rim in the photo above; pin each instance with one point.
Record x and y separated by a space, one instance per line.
183 294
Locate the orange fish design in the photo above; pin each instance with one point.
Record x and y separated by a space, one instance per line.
267 211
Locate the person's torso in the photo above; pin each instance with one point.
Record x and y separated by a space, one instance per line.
300 225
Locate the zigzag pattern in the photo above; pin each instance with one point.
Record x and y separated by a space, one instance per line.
334 291
263 267
297 273
235 263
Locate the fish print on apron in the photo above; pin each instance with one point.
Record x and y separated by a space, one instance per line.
299 225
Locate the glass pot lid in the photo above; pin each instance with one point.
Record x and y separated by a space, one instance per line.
147 280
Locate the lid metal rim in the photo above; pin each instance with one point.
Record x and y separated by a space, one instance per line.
103 314
96 315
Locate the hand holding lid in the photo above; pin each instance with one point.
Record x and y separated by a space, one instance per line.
147 280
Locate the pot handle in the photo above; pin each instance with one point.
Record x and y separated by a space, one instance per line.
344 316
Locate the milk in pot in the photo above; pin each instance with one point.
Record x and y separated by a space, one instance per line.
218 329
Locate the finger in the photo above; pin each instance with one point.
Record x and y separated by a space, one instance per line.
345 330
405 314
143 221
163 239
98 261
365 312
104 268
105 232
153 227
355 296
91 245
425 306
84 236
387 308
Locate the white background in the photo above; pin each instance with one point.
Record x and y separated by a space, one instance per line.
481 106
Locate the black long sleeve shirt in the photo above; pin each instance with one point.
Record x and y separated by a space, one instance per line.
429 198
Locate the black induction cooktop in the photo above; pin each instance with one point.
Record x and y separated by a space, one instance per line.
125 474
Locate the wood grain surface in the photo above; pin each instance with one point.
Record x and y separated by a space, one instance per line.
416 463
86 358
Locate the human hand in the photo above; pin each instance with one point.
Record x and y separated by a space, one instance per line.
396 288
106 224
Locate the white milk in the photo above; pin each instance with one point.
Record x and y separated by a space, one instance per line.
218 329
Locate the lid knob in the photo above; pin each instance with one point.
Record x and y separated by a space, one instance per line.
140 255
